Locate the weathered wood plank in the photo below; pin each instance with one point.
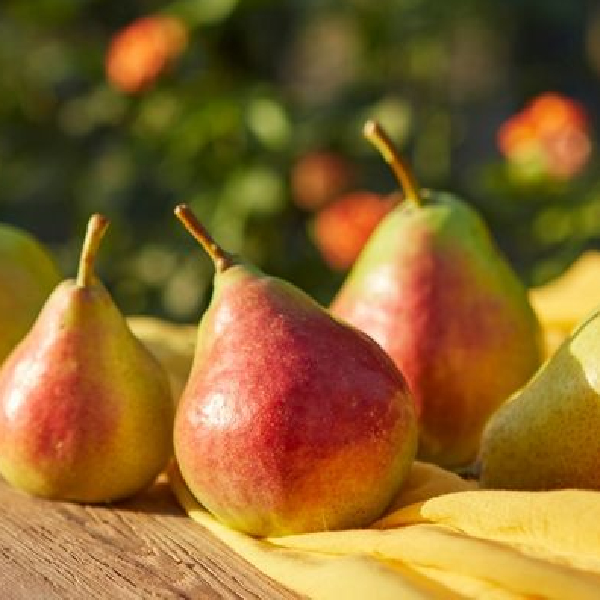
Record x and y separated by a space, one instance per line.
143 548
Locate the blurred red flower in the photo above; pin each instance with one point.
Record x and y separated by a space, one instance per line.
140 52
549 136
342 228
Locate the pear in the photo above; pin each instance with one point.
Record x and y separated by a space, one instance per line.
546 436
86 413
434 291
28 274
291 421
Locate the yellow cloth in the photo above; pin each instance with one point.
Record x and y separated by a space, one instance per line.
442 539
565 301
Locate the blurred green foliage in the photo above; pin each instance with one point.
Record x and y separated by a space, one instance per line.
260 84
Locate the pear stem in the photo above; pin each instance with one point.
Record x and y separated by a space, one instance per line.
220 258
379 138
97 226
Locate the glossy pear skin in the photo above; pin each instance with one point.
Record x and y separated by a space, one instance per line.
85 411
291 421
27 277
432 289
546 437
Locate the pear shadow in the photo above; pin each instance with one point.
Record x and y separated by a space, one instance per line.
158 499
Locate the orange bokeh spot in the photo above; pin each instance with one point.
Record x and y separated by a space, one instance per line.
342 228
551 112
515 133
318 177
139 53
552 127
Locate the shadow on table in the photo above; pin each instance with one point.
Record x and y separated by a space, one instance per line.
158 499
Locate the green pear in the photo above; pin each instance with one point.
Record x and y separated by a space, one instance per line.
86 412
546 436
291 421
434 291
28 275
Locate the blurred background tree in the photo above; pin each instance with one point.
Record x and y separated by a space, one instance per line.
252 110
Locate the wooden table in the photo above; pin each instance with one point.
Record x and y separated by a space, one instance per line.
141 549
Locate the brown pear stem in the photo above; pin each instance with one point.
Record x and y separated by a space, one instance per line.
220 258
379 138
97 226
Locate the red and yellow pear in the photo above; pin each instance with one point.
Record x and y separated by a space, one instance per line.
86 413
435 292
291 421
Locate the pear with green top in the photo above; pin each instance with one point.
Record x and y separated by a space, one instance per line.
291 421
86 413
433 289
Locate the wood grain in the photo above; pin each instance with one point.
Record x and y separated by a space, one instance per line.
143 548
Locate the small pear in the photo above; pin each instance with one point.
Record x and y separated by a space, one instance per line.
546 436
85 410
28 274
434 291
291 421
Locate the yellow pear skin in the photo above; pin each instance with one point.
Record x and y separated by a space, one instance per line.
546 436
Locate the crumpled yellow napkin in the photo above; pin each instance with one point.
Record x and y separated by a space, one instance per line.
565 301
441 539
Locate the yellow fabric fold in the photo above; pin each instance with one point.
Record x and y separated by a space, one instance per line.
441 538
